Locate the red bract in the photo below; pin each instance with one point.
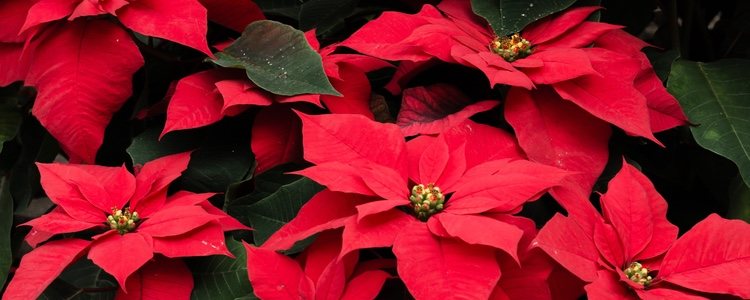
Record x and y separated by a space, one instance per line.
552 58
206 97
134 215
82 67
634 251
444 215
317 273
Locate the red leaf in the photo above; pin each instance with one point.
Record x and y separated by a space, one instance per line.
433 160
325 210
44 11
355 90
120 255
12 16
202 241
638 214
14 68
276 142
70 186
437 268
365 286
483 143
239 93
568 244
175 221
41 266
712 257
275 276
321 254
161 278
180 21
349 139
556 25
83 73
607 286
549 130
581 36
497 70
196 101
233 14
57 221
511 183
481 230
560 65
89 8
384 37
153 179
616 102
433 109
378 230
338 177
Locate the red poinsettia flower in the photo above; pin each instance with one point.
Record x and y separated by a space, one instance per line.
317 273
442 202
634 251
563 70
136 220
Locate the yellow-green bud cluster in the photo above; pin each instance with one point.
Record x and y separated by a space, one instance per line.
511 47
638 274
426 200
123 220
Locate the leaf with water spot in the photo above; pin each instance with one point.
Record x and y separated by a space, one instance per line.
510 16
278 59
716 96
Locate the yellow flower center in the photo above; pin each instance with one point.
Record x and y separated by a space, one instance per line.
426 200
123 220
511 47
638 274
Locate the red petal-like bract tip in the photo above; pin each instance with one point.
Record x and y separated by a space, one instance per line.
196 101
153 179
83 191
440 268
570 245
550 129
712 257
41 266
121 255
181 21
638 214
202 241
76 99
349 139
275 276
160 278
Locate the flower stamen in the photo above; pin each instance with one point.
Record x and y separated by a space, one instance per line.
511 47
123 220
638 274
426 200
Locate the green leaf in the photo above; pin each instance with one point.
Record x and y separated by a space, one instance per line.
220 277
278 59
275 201
739 200
6 224
510 16
10 121
717 97
286 8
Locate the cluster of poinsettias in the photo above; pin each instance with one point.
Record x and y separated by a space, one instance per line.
439 189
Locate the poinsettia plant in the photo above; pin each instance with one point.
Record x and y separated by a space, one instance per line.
345 149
